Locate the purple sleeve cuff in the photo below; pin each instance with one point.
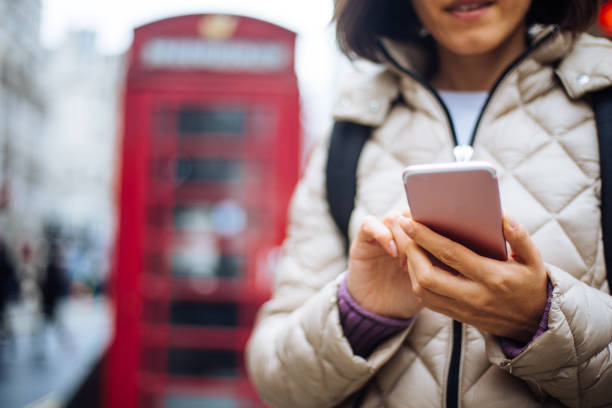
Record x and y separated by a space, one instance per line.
365 330
513 348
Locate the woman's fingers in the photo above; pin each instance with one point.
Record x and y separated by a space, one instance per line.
374 229
523 248
425 277
447 251
391 222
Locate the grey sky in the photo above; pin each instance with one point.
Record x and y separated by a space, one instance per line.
114 20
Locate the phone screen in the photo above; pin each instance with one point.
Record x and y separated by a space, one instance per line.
460 201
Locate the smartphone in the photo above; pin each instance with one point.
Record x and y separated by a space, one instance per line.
460 201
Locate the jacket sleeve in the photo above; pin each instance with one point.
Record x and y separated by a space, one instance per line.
298 355
572 360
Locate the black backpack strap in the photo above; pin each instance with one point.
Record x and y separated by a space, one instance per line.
345 146
602 106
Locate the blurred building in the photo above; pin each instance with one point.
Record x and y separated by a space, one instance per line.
22 110
81 89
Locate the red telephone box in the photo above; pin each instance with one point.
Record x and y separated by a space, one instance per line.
605 18
210 156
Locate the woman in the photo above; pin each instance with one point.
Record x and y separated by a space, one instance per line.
511 79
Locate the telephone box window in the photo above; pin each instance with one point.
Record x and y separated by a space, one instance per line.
203 263
184 313
208 170
226 218
202 363
210 122
180 401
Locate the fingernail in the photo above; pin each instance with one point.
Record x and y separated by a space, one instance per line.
393 247
511 221
407 226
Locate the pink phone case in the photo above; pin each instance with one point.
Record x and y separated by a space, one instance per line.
460 201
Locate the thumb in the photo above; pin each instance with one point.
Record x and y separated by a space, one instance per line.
523 248
406 213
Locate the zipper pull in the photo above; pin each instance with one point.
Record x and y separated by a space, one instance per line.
463 153
507 364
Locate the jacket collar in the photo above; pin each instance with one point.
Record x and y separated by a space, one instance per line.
582 66
586 67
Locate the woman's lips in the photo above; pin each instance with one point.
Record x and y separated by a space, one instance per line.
469 10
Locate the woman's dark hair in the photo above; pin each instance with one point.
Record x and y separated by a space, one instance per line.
360 23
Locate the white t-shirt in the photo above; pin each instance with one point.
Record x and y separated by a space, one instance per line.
464 108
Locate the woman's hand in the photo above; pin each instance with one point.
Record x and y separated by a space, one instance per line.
503 298
377 280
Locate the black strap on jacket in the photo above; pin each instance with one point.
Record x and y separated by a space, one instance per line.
602 106
348 138
345 146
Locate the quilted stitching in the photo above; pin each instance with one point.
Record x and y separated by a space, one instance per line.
424 350
536 142
559 220
530 124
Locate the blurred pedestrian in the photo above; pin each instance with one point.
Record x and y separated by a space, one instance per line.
54 285
507 81
9 290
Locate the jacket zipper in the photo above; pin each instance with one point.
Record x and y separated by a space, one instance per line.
454 369
503 76
452 384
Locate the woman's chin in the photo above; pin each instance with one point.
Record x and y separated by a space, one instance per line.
472 45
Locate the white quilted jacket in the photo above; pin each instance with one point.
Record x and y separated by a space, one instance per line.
538 130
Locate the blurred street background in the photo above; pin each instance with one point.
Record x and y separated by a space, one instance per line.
64 67
144 181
